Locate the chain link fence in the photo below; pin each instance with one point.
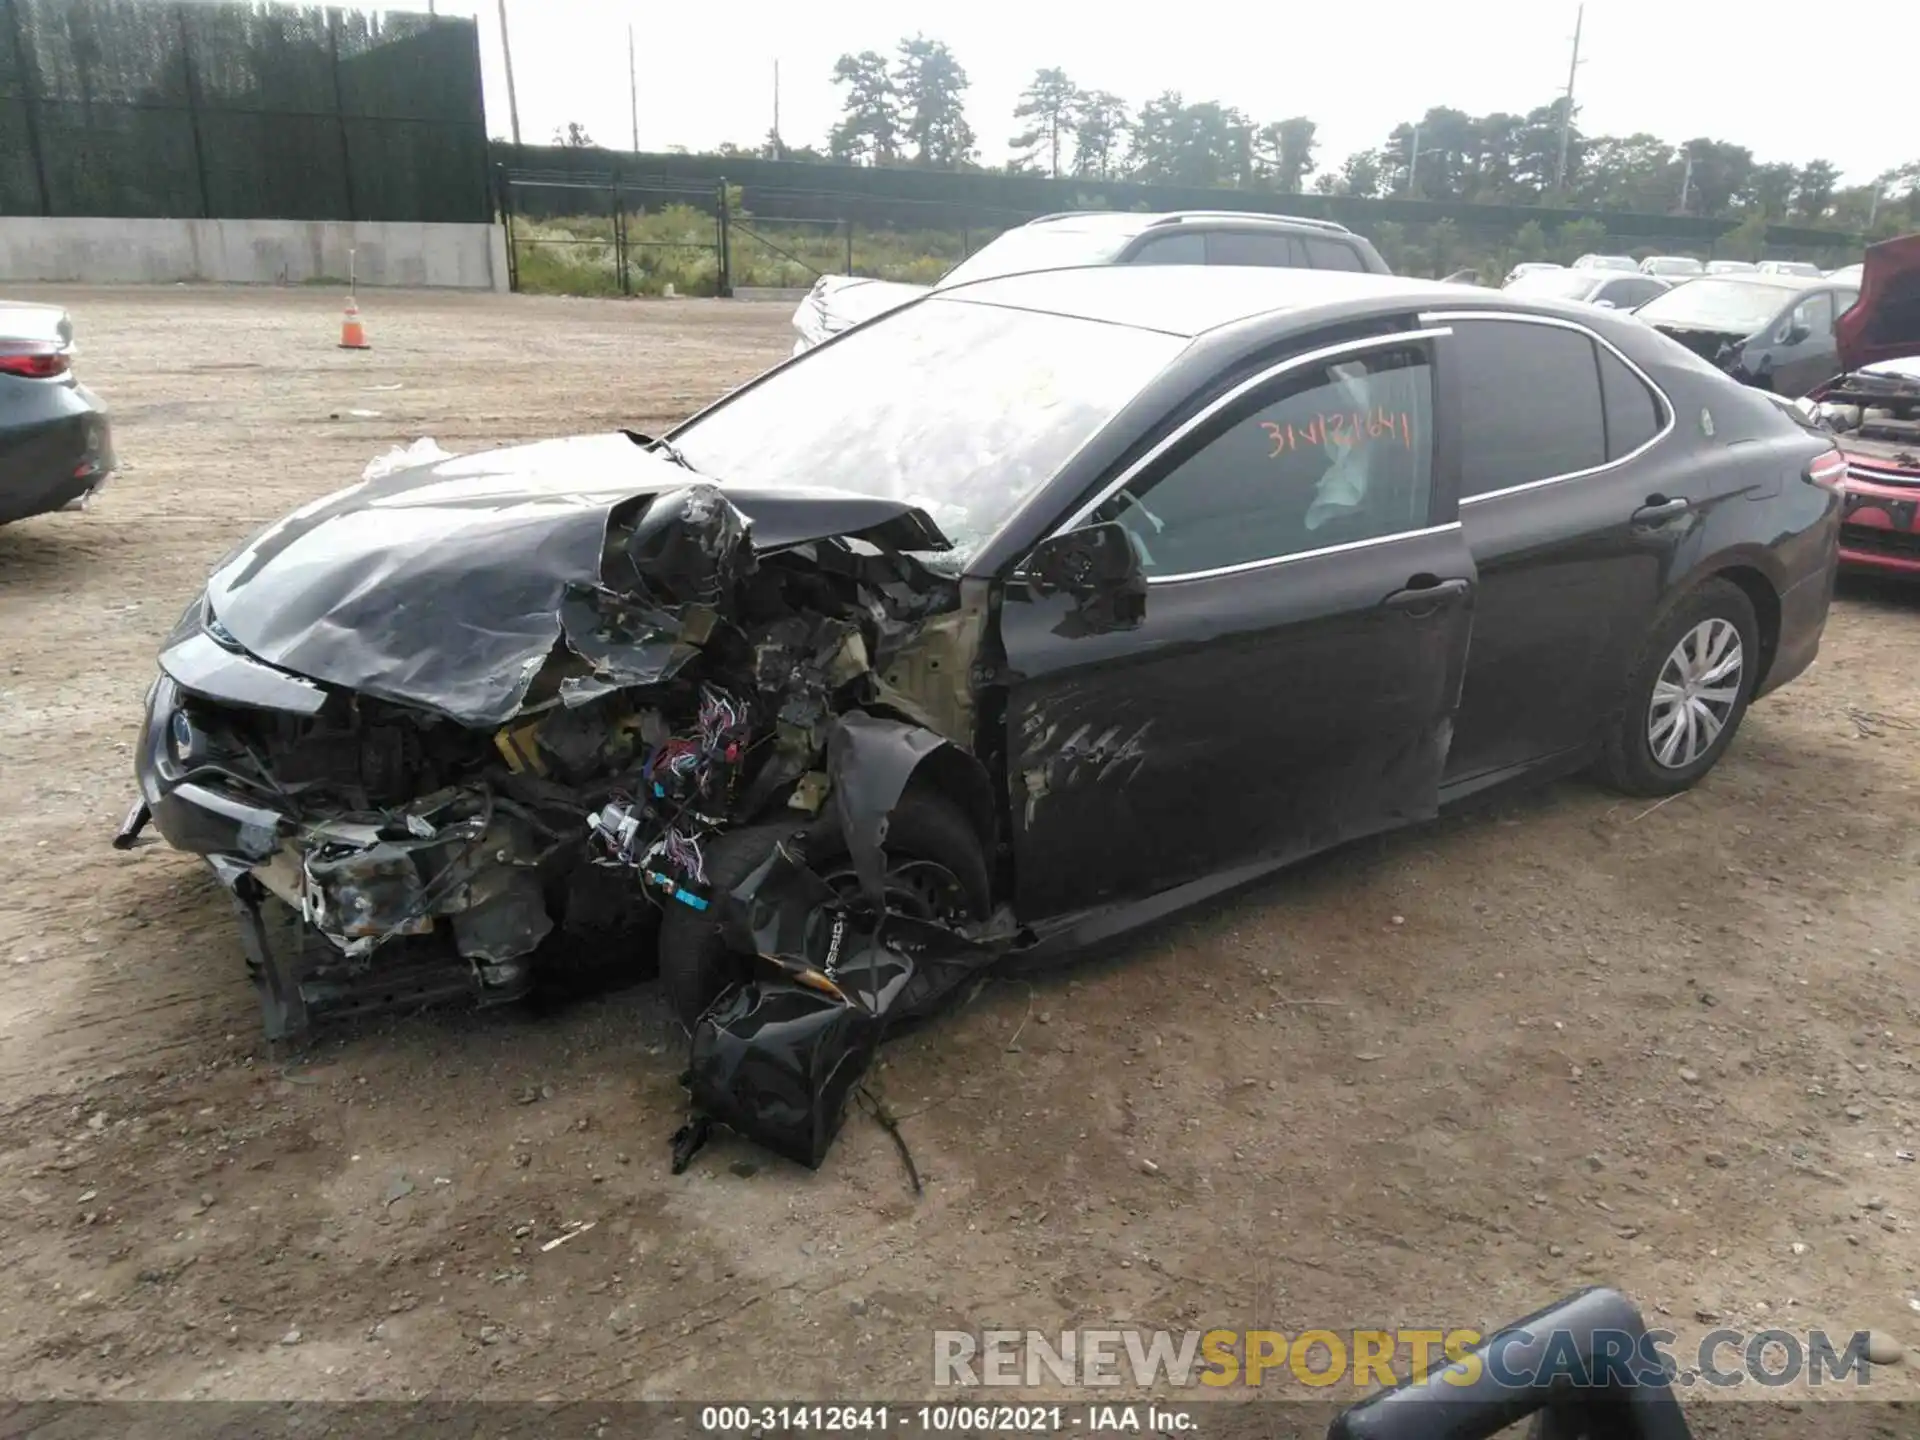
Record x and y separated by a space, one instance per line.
578 231
239 111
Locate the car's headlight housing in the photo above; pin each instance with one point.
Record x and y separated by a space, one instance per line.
181 735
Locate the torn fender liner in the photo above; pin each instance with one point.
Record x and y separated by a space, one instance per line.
870 762
441 585
777 1062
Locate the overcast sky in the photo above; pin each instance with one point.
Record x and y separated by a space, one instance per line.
1796 88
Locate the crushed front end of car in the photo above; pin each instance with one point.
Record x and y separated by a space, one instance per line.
1875 416
1874 409
476 720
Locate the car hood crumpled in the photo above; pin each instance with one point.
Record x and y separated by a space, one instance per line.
441 585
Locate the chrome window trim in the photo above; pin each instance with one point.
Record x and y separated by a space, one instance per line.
1554 321
1194 422
1269 562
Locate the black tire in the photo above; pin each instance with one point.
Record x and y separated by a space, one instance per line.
695 963
1628 762
606 938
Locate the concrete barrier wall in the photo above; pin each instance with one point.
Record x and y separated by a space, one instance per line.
251 252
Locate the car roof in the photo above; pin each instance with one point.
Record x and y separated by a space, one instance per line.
1190 300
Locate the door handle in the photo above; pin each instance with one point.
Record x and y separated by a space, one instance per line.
1657 510
1423 600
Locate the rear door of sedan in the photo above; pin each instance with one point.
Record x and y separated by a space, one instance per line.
1294 679
1574 514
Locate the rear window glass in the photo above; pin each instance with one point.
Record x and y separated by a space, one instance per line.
1184 249
1251 247
1530 404
1633 415
1332 254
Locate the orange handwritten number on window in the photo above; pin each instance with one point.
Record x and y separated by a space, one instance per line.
1344 429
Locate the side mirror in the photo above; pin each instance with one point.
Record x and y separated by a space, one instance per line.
1605 305
1099 567
1794 335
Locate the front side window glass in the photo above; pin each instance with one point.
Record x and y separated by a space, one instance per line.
1338 453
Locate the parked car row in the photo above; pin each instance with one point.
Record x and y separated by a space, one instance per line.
1608 288
1675 268
1773 328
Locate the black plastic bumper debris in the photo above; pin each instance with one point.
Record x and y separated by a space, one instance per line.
777 1062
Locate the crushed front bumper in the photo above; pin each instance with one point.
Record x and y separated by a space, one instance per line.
345 917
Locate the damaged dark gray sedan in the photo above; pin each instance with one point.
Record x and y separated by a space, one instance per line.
1019 616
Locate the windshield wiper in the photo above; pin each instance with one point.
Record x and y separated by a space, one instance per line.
663 446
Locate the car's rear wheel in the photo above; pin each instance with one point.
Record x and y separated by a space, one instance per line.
936 870
1687 694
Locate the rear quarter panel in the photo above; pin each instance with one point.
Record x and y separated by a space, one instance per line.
1763 517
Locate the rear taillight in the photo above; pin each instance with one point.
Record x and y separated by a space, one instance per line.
32 361
1828 471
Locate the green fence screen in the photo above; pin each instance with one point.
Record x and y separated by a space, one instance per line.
239 111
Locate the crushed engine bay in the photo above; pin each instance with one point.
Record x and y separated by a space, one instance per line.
696 686
1878 410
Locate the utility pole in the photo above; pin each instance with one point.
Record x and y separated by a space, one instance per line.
633 87
777 146
513 104
1686 182
1413 160
1873 208
1566 115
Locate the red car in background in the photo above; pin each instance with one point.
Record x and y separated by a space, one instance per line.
1874 408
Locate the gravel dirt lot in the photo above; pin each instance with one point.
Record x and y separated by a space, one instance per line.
1435 1079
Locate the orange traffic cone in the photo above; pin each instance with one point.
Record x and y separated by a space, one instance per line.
353 335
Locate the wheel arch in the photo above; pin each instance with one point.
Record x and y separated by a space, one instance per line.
1764 596
874 761
955 775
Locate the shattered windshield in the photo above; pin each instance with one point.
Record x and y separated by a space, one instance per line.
1739 307
1040 247
962 409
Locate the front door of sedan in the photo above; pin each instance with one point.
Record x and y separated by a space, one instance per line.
1803 349
1293 681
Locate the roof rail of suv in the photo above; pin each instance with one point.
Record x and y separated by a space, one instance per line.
1177 216
1312 222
